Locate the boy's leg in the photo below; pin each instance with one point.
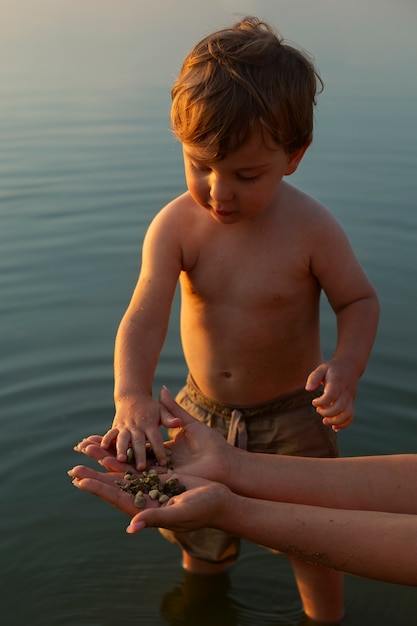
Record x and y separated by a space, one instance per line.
200 600
321 591
197 566
296 429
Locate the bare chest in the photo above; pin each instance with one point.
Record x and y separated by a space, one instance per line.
263 272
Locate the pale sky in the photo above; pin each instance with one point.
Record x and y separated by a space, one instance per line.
88 41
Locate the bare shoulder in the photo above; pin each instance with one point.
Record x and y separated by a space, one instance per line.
177 212
173 220
171 228
327 249
310 217
307 207
325 246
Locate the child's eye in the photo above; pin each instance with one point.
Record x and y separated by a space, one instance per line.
248 179
199 168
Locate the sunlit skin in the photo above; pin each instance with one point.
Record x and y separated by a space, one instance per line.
241 186
368 527
252 254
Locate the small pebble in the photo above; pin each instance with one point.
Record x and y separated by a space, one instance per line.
140 501
149 482
130 454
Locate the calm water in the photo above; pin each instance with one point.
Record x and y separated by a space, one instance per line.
83 172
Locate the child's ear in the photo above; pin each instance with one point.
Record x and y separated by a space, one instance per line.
294 159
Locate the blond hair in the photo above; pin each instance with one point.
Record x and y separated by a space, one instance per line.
240 79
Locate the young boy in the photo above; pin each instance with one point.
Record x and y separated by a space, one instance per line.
252 254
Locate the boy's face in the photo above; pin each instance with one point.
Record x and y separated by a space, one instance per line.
244 183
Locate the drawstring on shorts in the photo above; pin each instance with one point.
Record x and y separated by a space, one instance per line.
238 435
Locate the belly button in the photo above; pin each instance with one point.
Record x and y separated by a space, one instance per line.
226 374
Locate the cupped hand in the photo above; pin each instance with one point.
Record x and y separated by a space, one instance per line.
198 507
105 486
92 447
196 449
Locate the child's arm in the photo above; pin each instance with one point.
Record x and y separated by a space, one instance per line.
355 303
340 376
139 341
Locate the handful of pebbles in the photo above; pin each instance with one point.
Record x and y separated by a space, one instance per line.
149 483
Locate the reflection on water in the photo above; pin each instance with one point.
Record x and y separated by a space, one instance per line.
202 600
83 172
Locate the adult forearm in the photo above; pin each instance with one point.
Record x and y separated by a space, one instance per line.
372 544
379 483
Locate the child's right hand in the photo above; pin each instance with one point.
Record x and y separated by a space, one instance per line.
196 449
136 424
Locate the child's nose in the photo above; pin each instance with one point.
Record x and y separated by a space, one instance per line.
220 191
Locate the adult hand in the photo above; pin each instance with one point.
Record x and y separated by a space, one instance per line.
196 449
106 486
200 506
195 508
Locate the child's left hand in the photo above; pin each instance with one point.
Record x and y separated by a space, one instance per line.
340 381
